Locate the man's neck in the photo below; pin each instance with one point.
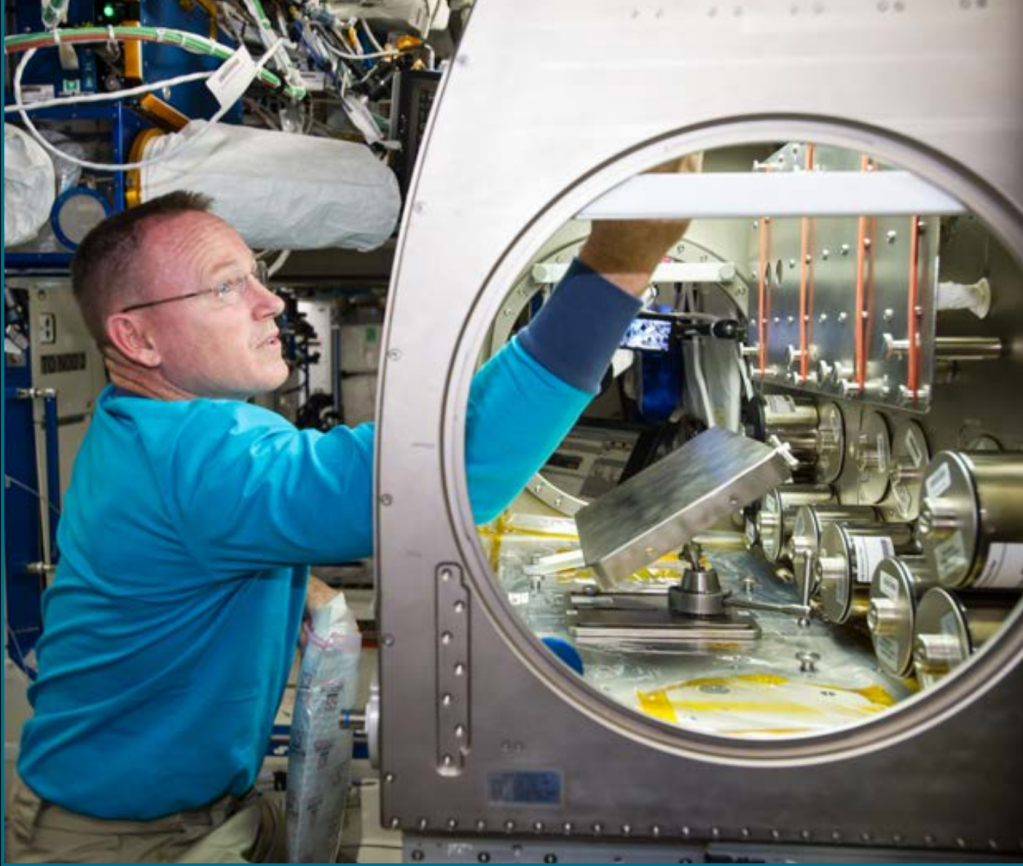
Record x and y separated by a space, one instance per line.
144 381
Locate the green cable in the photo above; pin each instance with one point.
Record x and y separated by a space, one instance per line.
190 42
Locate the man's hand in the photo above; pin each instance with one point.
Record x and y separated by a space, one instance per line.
317 595
626 252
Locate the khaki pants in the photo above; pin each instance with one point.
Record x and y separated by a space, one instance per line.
249 830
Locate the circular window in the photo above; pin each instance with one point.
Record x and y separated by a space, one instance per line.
841 307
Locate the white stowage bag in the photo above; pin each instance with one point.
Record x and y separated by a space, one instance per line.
280 191
29 186
320 753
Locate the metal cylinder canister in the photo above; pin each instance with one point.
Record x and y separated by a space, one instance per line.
895 588
971 519
776 518
846 562
807 526
950 627
814 434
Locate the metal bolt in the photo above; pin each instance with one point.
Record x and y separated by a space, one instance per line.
386 499
388 777
459 731
395 823
481 825
446 700
452 823
891 235
417 855
459 670
845 249
388 640
888 315
598 828
538 826
509 826
808 661
825 253
626 829
422 823
459 606
685 832
567 826
822 318
394 354
483 857
447 760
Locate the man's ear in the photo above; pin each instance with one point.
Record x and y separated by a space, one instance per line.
132 340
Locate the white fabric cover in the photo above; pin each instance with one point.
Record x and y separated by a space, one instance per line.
280 191
29 186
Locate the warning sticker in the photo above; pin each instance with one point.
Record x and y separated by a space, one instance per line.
889 586
870 550
1003 568
903 498
887 649
938 481
913 446
950 557
780 403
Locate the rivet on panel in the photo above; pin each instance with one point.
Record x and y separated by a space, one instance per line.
538 826
509 826
452 823
386 499
481 825
422 823
388 777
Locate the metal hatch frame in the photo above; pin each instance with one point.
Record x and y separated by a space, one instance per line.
572 127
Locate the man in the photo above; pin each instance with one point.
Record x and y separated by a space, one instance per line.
192 518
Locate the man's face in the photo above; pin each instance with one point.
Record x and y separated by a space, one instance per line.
205 346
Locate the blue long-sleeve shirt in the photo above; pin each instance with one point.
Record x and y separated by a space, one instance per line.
186 537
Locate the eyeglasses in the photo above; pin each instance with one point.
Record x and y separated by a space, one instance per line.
228 292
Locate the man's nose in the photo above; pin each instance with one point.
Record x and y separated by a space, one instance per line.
266 302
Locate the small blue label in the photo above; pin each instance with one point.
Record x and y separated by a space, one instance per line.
525 788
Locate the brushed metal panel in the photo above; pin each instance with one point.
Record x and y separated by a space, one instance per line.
665 505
